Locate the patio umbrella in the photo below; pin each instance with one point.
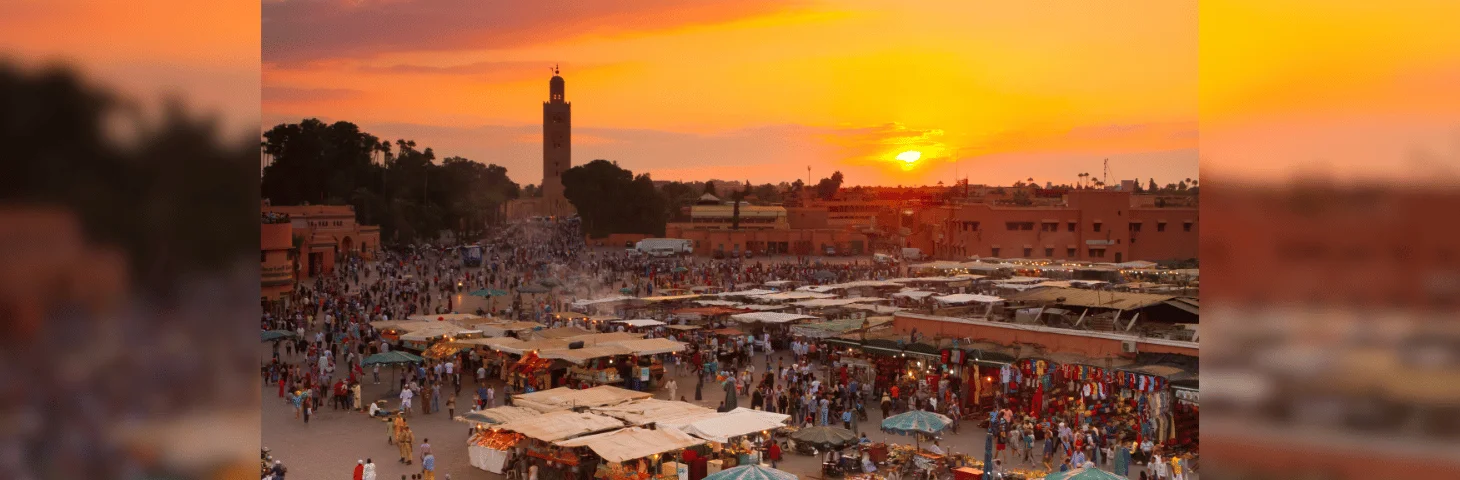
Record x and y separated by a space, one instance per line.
626 290
750 472
392 358
1083 473
916 422
488 292
825 437
919 421
824 276
475 418
269 335
680 269
550 282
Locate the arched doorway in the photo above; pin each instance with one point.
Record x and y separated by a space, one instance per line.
347 246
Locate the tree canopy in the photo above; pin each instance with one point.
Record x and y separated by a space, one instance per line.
611 199
407 193
827 187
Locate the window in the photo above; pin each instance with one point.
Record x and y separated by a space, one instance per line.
1186 226
1048 252
263 256
972 226
1028 252
1072 226
1160 226
1012 225
1070 252
1097 226
1135 226
1049 227
1097 253
994 252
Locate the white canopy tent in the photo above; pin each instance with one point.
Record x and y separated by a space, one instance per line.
769 317
741 421
962 298
641 322
630 443
560 425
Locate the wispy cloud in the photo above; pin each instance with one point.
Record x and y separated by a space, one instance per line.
309 30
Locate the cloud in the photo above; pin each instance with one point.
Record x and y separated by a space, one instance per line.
307 95
302 31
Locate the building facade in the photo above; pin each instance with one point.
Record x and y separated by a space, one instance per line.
557 157
326 233
276 258
1090 225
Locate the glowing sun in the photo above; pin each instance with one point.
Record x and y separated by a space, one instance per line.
910 156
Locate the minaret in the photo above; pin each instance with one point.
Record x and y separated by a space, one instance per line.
557 146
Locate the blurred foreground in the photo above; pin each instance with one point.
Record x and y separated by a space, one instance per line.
127 288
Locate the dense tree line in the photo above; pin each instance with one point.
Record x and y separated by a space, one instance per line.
404 190
611 199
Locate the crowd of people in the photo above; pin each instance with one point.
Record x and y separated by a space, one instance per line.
329 316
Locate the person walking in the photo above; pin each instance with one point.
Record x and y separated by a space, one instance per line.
369 472
428 467
359 473
673 387
451 407
404 441
436 396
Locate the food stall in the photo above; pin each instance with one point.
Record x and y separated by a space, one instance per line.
618 447
530 371
555 462
488 447
727 433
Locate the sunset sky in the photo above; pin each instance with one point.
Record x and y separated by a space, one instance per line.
758 90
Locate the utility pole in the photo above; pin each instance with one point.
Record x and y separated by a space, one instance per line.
1105 177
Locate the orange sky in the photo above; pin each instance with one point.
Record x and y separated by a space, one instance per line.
1345 91
206 53
758 90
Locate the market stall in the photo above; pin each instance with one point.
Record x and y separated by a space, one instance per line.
489 449
623 445
566 398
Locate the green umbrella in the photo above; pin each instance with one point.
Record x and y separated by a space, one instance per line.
488 292
825 437
276 335
750 472
626 290
916 421
1084 473
550 282
392 358
680 269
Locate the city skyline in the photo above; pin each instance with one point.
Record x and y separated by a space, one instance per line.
686 91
